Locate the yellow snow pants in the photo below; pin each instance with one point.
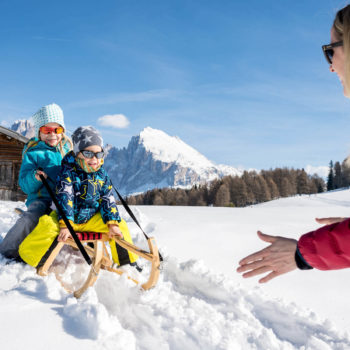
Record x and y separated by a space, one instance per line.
37 243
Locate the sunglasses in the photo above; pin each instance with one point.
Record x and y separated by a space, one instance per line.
90 154
48 130
328 50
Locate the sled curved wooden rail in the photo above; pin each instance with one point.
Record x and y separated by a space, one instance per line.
101 260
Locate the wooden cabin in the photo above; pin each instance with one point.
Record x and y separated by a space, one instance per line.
11 146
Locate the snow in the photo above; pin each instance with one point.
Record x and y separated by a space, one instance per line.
200 301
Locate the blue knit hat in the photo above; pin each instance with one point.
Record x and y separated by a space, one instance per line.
51 113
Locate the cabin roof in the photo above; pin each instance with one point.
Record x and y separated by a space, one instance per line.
13 134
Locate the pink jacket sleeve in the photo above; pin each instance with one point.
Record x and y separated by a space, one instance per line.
327 248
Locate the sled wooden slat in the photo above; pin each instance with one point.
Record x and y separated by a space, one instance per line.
155 270
140 252
43 270
95 269
102 260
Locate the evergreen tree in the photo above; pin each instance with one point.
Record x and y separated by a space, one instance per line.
192 196
319 184
337 181
330 179
214 187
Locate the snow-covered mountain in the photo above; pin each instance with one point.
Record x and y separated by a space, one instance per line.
23 127
153 159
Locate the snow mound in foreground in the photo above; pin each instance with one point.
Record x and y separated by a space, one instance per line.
191 308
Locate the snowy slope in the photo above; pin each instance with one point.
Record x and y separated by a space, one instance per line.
200 302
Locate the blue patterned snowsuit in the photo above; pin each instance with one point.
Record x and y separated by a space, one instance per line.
82 195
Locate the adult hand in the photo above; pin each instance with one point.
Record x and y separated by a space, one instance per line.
64 234
39 172
278 258
329 221
114 230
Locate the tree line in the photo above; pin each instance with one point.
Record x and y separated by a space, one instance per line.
338 175
236 191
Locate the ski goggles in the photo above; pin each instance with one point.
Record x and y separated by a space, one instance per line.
328 50
48 130
90 154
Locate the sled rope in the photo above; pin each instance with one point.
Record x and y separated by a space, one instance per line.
131 214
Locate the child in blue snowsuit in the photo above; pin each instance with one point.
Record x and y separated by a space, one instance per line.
44 151
83 186
84 192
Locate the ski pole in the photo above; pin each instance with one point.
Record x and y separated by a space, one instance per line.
131 214
66 221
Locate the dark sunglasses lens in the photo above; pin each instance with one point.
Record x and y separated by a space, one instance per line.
330 53
99 155
87 154
90 154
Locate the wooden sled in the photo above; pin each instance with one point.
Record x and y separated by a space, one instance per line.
101 259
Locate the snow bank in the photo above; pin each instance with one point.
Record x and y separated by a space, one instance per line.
194 305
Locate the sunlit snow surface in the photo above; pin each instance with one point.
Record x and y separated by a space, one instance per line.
200 301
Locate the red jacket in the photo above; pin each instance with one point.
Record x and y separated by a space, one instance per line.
327 248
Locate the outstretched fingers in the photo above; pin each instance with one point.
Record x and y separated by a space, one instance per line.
329 221
257 271
261 254
277 258
258 256
270 276
266 238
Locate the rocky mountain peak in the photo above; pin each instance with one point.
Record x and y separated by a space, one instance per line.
23 127
156 159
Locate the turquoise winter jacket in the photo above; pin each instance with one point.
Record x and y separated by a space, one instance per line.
37 154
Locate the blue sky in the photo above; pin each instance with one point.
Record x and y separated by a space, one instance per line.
243 82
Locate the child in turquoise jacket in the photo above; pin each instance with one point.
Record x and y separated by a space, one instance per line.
44 151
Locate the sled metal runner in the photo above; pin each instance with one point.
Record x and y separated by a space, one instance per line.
101 260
